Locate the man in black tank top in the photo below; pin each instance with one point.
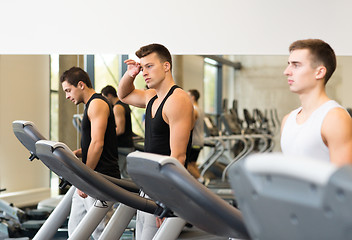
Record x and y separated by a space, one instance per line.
98 143
169 114
122 113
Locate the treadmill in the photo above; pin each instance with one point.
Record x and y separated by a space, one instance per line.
165 180
291 198
62 161
280 197
125 191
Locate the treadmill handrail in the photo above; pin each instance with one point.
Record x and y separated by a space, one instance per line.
177 183
23 128
279 164
88 179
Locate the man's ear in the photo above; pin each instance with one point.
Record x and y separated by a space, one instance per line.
321 72
167 66
81 85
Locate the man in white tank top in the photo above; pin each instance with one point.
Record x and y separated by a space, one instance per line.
320 128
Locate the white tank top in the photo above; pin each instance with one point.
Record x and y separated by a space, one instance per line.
198 130
305 139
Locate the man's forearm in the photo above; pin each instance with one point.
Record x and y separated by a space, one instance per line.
120 130
93 156
126 86
181 157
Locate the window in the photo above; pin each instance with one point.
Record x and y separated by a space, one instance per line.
210 79
212 86
107 69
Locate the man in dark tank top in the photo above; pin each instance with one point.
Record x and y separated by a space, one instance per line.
98 142
169 114
122 113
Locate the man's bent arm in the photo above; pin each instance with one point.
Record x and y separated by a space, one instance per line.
98 114
337 135
119 113
179 113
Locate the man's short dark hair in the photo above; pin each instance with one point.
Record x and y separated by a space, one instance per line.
162 52
321 53
194 93
109 90
74 75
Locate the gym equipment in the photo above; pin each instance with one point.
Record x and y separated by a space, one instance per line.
233 142
61 160
66 162
283 197
28 134
164 179
221 145
10 225
28 221
18 223
68 166
280 197
77 121
214 167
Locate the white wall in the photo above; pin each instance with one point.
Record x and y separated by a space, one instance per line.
24 95
261 84
186 27
341 80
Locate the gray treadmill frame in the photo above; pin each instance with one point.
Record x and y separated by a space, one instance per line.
288 198
164 179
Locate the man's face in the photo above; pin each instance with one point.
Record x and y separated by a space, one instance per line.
74 94
153 70
301 76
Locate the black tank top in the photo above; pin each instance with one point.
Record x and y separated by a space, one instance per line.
157 131
108 159
125 139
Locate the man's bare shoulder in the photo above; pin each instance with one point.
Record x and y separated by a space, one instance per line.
180 96
337 117
98 105
337 123
118 109
178 102
337 135
97 102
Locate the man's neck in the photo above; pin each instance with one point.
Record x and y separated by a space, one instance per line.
164 87
115 100
88 94
313 100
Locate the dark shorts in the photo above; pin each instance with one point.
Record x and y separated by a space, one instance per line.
194 153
